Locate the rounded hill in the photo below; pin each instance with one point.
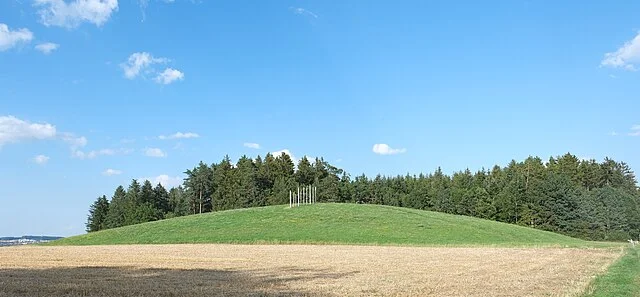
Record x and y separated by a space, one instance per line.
326 224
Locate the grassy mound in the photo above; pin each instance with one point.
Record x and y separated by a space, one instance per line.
326 224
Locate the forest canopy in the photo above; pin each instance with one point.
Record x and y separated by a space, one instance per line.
581 198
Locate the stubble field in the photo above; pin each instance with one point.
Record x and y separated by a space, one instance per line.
298 270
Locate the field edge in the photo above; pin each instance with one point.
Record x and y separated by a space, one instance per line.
622 277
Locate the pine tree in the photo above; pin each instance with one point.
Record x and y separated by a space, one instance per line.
305 174
117 209
200 187
247 187
98 215
178 203
146 193
223 180
161 199
346 189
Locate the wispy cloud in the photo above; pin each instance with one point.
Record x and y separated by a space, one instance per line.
111 172
302 11
143 9
74 141
252 145
154 153
179 135
384 149
139 62
635 130
14 130
73 13
47 47
613 133
168 76
626 57
40 159
10 38
82 155
93 154
145 3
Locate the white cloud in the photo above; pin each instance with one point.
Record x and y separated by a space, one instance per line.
47 47
302 11
13 130
111 172
143 8
142 64
635 130
72 14
97 153
41 159
613 133
93 154
154 152
252 145
168 76
179 135
625 57
74 141
384 149
127 140
178 146
9 38
286 151
145 3
138 62
165 180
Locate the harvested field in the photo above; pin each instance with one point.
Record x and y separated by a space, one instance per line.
297 270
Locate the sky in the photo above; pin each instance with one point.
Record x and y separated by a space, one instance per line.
95 93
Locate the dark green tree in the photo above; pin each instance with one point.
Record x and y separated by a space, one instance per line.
178 203
98 215
161 199
247 186
305 175
117 209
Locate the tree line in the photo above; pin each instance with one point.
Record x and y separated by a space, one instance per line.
580 198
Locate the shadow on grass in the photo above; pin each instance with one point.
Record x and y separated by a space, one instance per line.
123 281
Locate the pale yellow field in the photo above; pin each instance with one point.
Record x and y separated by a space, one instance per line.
297 270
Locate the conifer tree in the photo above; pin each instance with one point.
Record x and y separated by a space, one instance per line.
98 214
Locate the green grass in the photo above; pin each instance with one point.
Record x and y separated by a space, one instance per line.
327 224
621 279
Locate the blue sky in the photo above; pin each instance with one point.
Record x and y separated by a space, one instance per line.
94 93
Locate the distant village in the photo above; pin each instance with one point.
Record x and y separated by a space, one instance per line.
9 241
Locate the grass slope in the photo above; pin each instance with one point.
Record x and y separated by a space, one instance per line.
326 224
621 279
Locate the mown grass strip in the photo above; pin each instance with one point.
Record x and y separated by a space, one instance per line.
622 278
